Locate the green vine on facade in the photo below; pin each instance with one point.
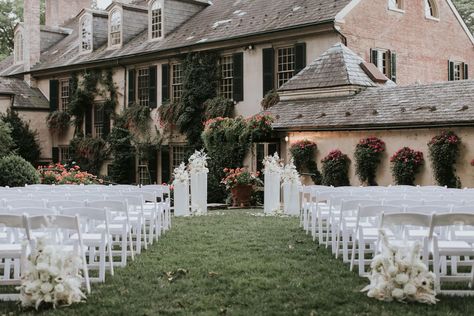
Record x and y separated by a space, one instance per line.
444 152
368 154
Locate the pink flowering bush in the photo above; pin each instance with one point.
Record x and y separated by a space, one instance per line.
444 152
61 174
368 154
335 169
406 163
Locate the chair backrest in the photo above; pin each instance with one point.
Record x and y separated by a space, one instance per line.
150 196
65 204
377 210
353 204
86 197
31 211
428 209
24 203
402 202
405 219
451 219
113 205
93 213
444 202
463 209
52 221
12 221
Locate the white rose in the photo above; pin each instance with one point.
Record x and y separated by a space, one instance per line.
46 287
392 271
43 266
44 277
59 288
409 289
401 278
48 298
397 294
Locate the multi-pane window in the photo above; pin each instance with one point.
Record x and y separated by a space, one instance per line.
226 87
156 20
178 155
143 84
86 33
98 120
115 28
285 64
18 47
64 94
385 62
64 153
176 82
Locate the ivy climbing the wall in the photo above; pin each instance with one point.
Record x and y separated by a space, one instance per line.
303 153
444 152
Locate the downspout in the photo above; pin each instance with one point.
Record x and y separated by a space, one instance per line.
344 38
124 84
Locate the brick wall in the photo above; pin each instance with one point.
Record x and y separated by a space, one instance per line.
60 11
423 46
32 35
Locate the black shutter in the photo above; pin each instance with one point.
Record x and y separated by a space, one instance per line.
106 123
165 83
165 164
268 70
131 86
466 71
450 70
152 87
55 154
153 167
238 62
374 57
53 95
300 57
88 120
393 66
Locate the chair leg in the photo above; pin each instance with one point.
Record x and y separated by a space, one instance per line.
102 263
313 224
361 257
111 257
130 240
354 247
123 253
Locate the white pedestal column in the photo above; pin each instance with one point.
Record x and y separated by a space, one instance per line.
199 193
272 192
181 199
291 199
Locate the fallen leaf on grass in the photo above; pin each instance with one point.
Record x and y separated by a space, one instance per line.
213 274
223 310
290 247
174 275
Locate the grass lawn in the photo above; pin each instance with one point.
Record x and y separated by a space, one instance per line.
239 264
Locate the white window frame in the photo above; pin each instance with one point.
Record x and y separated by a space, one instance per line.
142 98
64 94
380 61
120 31
176 86
64 150
396 5
98 125
81 34
160 4
19 52
175 150
431 5
226 84
458 70
286 71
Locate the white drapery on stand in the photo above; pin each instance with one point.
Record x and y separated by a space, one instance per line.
291 198
272 192
199 192
181 199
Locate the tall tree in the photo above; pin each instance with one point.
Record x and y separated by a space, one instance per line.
466 9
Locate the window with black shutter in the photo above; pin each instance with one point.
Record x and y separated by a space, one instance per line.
53 95
165 83
238 77
131 86
393 68
268 55
300 57
88 120
457 70
55 154
165 164
152 89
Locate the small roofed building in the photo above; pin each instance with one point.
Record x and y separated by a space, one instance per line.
339 99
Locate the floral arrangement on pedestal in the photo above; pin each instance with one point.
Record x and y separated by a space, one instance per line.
368 154
399 274
272 164
51 277
198 162
290 174
180 175
444 152
241 184
198 169
303 153
335 169
406 163
63 174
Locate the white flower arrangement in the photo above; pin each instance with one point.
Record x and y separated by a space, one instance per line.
272 164
399 274
180 175
198 162
51 277
290 175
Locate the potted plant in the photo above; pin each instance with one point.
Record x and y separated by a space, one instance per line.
240 183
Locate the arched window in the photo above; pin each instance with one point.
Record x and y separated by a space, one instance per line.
18 42
156 21
86 33
115 28
395 4
431 9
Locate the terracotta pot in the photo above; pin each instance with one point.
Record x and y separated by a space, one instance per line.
241 195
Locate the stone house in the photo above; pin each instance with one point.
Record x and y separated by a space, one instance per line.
262 44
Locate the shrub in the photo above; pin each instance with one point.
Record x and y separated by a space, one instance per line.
123 153
259 127
406 164
368 154
16 172
336 169
58 121
61 174
26 140
444 152
270 99
5 139
303 153
240 176
89 153
218 107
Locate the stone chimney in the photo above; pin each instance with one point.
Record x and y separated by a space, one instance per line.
32 35
60 11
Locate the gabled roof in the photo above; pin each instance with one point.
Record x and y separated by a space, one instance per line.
222 20
338 66
430 105
24 96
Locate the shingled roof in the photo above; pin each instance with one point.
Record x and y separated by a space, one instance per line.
338 66
24 96
439 104
222 20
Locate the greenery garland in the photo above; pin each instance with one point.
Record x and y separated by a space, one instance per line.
406 163
368 154
336 169
444 152
303 153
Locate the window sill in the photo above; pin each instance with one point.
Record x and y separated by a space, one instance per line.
431 18
114 47
397 10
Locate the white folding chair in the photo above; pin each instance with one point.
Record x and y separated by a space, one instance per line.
25 203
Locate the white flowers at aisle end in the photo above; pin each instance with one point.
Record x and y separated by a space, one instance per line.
291 189
272 172
198 169
51 277
181 190
399 274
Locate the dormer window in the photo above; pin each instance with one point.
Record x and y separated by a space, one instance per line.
431 9
115 21
156 20
18 47
86 33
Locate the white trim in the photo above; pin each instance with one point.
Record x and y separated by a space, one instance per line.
109 27
81 20
461 21
150 18
344 12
